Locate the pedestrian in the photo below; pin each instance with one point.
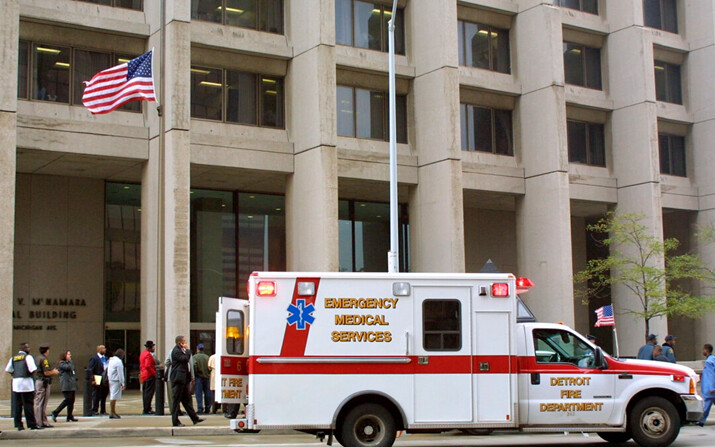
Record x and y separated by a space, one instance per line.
707 382
100 386
180 376
658 354
68 386
43 380
212 384
646 351
21 366
668 346
147 375
115 374
204 397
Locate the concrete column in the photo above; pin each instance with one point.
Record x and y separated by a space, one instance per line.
312 189
543 214
9 39
166 183
700 30
634 125
436 205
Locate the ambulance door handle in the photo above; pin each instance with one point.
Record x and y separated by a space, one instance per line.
535 378
407 342
423 360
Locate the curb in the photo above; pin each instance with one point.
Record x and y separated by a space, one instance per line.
116 432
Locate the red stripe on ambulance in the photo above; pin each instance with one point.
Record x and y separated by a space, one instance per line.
295 339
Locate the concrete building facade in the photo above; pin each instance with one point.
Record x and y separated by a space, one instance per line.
520 122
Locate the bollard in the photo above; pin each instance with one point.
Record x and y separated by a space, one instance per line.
159 396
87 403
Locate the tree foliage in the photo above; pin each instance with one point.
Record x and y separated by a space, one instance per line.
651 268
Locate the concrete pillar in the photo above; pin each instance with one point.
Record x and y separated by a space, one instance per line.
9 39
634 125
436 205
700 29
166 183
543 214
312 189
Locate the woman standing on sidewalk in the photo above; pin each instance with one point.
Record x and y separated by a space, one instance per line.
68 386
115 374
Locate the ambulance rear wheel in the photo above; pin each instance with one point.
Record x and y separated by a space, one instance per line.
654 422
368 425
615 437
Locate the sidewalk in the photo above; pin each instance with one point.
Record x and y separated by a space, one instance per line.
132 423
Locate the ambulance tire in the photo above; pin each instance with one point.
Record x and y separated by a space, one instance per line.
615 437
654 422
367 425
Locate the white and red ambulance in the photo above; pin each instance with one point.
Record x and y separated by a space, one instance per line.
363 356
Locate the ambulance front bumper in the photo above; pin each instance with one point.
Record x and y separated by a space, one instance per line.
693 407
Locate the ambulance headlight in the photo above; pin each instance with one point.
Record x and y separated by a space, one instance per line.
401 288
306 288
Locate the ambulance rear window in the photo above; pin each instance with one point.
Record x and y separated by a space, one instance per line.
441 327
234 332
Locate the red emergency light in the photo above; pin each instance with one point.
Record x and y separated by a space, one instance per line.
523 285
500 289
266 288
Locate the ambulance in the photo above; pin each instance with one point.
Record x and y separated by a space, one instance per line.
363 357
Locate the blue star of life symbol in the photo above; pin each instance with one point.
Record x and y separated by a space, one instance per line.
300 314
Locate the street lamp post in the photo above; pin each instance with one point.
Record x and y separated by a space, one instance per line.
393 265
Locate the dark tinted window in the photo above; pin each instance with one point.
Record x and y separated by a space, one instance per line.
364 113
364 24
129 4
51 73
668 82
262 15
486 130
441 328
590 6
484 46
672 155
582 65
661 14
586 143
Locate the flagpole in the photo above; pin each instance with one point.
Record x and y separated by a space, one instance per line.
615 342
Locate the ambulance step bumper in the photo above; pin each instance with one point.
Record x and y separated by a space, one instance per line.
693 407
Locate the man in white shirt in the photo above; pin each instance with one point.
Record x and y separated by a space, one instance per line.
22 366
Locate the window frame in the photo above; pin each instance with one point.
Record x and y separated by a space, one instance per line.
589 128
230 346
493 144
558 349
259 101
442 333
401 139
585 80
669 152
668 69
384 44
580 6
491 30
663 7
259 8
114 4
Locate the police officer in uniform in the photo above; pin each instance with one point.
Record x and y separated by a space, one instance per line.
43 380
21 366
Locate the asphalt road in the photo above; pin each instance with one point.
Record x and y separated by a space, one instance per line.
689 437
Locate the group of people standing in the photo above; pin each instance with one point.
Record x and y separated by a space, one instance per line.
652 351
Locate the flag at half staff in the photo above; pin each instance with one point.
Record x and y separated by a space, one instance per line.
113 87
604 316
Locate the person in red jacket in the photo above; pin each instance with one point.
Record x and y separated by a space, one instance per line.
147 375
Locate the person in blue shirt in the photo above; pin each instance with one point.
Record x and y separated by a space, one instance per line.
646 351
668 350
707 382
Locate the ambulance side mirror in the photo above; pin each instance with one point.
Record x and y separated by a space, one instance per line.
599 359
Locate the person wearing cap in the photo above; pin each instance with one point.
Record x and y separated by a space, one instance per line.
147 375
43 380
646 351
658 354
668 350
202 374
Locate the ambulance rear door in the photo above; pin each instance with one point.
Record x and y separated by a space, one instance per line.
231 376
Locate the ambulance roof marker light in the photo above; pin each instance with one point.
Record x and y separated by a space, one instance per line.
306 288
266 288
500 290
523 285
401 288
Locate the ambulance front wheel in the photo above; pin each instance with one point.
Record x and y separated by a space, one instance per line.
368 425
654 422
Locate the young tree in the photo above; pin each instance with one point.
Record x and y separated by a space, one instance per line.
650 268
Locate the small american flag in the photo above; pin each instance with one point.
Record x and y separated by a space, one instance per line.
113 87
604 316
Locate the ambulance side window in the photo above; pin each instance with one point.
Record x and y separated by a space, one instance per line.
557 346
441 325
234 332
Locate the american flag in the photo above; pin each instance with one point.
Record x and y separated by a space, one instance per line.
113 87
604 316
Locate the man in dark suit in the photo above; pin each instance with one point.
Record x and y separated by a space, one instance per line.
180 377
98 363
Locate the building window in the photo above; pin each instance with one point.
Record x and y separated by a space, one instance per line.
56 73
661 14
582 65
586 143
261 15
590 6
486 130
364 25
672 155
667 82
364 113
122 250
442 325
364 236
483 46
236 97
128 4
